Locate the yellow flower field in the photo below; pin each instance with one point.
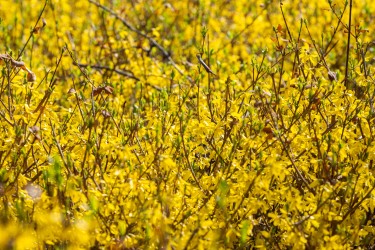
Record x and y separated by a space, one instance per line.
187 124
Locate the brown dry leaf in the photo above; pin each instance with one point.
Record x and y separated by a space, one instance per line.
97 91
332 76
3 56
72 91
279 28
108 89
34 129
31 77
267 130
19 64
44 22
36 30
106 114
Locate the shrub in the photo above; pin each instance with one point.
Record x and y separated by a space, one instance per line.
115 135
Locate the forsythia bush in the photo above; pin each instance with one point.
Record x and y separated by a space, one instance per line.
115 135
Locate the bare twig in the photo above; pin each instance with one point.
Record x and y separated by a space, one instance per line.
118 71
348 45
32 31
59 147
150 39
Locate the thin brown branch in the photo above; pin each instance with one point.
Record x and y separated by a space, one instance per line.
118 71
140 33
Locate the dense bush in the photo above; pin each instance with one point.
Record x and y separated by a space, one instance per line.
115 135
